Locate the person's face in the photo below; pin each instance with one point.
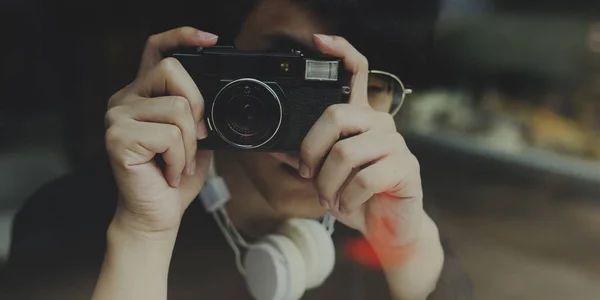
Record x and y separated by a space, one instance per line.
274 25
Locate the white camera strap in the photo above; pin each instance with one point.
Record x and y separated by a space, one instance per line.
328 221
215 194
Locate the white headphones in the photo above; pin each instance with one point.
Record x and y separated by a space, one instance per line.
280 266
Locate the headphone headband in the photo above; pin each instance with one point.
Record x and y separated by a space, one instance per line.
215 194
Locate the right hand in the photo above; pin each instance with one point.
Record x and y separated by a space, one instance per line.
159 113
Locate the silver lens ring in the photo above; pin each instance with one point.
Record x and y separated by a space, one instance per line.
269 90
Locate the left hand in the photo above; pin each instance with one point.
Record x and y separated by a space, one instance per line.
365 174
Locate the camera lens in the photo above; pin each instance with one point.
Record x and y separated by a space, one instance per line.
247 113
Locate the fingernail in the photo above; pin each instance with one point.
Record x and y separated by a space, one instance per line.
304 171
324 38
191 168
177 180
206 35
201 131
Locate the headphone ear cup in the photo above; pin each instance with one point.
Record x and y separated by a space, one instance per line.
275 269
315 245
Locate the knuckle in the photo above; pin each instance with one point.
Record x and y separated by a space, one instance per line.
363 61
186 30
174 133
153 41
414 163
169 64
335 113
340 39
399 141
362 181
113 138
179 104
342 151
115 115
116 98
111 116
112 100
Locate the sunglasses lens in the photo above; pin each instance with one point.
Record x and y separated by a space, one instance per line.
385 90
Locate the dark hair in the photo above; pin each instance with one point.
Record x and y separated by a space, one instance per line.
395 35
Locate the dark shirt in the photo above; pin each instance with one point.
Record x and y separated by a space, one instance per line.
59 241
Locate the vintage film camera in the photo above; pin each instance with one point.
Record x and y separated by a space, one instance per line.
263 101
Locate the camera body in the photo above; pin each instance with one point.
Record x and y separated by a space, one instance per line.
263 101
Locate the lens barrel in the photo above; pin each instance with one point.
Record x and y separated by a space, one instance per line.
247 113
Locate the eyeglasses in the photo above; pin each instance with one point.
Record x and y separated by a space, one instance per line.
393 87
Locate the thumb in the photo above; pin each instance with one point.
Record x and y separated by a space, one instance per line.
192 184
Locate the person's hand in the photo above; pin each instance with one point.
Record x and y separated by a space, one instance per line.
364 172
158 118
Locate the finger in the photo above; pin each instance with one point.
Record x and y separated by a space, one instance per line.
338 121
353 60
124 95
190 185
134 143
158 44
172 110
169 78
396 176
348 155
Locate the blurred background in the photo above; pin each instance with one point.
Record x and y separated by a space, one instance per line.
507 130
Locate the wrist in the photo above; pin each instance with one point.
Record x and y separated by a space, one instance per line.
126 239
417 274
121 231
140 247
395 244
136 263
128 225
127 248
426 237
